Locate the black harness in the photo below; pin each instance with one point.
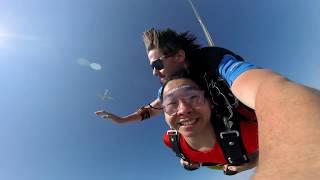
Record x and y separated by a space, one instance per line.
226 121
225 118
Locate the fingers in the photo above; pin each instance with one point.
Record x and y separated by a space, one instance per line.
109 116
103 114
243 167
100 113
233 168
188 165
182 162
225 167
230 170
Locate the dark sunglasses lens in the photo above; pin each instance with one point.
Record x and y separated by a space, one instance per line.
157 64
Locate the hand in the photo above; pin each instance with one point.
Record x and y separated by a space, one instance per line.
107 115
230 170
189 165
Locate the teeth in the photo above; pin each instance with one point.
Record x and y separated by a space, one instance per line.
188 122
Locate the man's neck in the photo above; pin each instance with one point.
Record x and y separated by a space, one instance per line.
203 141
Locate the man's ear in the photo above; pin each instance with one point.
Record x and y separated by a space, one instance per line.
181 56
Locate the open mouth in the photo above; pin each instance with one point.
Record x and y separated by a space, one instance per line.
162 77
188 122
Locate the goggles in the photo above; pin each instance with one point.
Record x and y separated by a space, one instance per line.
190 95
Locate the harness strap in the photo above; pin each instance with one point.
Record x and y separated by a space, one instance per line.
226 121
174 138
231 145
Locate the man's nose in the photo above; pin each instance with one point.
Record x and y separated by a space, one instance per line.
184 108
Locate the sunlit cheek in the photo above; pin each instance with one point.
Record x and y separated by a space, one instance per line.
169 121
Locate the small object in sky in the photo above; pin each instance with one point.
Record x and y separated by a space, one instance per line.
95 66
106 95
83 62
92 65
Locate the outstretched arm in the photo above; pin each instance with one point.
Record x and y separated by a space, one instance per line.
246 85
148 111
289 120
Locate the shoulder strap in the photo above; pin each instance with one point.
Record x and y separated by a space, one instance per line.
226 119
174 138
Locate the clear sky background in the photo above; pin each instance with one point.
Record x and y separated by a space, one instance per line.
48 130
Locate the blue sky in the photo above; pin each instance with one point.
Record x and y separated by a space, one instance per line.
47 126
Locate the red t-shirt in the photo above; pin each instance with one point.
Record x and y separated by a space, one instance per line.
248 132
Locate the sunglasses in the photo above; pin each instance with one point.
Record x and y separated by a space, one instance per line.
158 64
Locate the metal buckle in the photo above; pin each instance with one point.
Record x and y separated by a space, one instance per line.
172 132
229 132
244 157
